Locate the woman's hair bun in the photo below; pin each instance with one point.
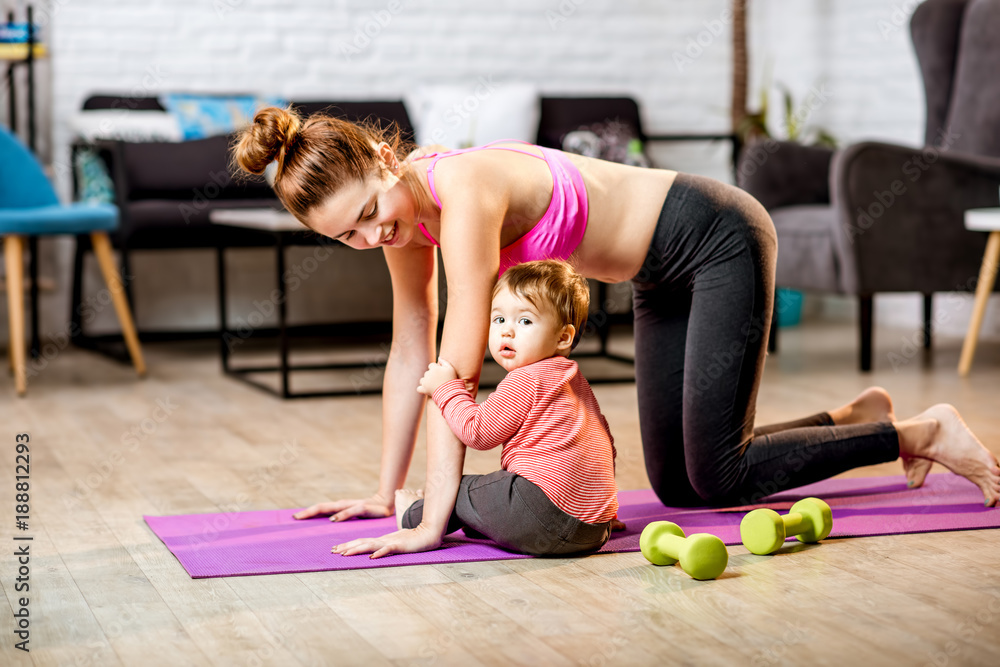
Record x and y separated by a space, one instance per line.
267 139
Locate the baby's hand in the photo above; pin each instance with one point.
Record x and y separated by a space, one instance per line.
437 374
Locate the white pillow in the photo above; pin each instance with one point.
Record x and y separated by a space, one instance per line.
474 114
126 124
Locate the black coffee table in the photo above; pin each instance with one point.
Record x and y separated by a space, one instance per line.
285 231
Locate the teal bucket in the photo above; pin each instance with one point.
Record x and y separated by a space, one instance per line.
789 307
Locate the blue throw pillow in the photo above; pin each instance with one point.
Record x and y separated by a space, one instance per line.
201 116
92 178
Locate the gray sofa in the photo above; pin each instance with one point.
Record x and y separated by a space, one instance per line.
876 217
166 190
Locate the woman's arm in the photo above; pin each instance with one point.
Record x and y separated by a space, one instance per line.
414 332
470 249
470 246
414 327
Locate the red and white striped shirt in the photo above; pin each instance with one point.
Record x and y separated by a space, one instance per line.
553 434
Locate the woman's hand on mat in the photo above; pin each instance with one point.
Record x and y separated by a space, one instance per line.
408 540
437 374
375 507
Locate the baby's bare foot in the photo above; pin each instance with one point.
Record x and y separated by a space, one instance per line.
872 405
405 498
957 448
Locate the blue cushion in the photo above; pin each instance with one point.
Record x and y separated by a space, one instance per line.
203 116
92 175
57 219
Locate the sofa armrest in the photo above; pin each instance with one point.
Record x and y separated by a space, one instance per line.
900 214
784 173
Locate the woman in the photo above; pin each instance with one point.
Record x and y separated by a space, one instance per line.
701 255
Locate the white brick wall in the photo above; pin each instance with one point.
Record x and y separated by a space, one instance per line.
299 50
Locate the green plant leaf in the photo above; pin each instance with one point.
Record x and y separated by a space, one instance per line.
824 138
791 122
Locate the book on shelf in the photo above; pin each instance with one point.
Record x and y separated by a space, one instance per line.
17 33
9 51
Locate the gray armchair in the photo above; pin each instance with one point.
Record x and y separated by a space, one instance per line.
876 217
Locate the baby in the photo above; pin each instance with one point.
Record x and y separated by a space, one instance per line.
556 493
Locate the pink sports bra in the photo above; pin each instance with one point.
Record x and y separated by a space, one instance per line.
560 229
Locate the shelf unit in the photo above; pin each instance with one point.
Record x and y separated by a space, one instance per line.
17 55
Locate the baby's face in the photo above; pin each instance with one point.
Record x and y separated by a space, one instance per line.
521 333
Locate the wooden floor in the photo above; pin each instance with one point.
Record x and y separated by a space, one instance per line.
106 449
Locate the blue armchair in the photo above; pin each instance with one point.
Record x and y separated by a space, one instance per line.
29 207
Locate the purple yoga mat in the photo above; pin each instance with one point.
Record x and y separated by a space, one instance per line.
272 542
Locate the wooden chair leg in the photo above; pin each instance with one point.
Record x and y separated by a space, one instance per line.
865 301
13 248
987 278
102 250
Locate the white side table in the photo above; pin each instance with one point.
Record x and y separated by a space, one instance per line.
981 220
263 219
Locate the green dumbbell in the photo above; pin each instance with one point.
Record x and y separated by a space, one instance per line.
703 556
764 530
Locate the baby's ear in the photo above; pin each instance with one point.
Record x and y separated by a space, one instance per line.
566 336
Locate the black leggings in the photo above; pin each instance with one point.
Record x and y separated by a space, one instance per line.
703 303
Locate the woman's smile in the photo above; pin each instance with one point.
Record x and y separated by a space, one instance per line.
390 238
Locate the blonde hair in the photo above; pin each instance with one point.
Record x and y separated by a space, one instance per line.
553 283
314 158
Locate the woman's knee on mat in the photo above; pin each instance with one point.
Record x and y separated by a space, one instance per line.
715 481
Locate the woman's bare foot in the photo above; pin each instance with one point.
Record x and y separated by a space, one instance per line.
875 405
872 405
916 470
939 434
405 498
